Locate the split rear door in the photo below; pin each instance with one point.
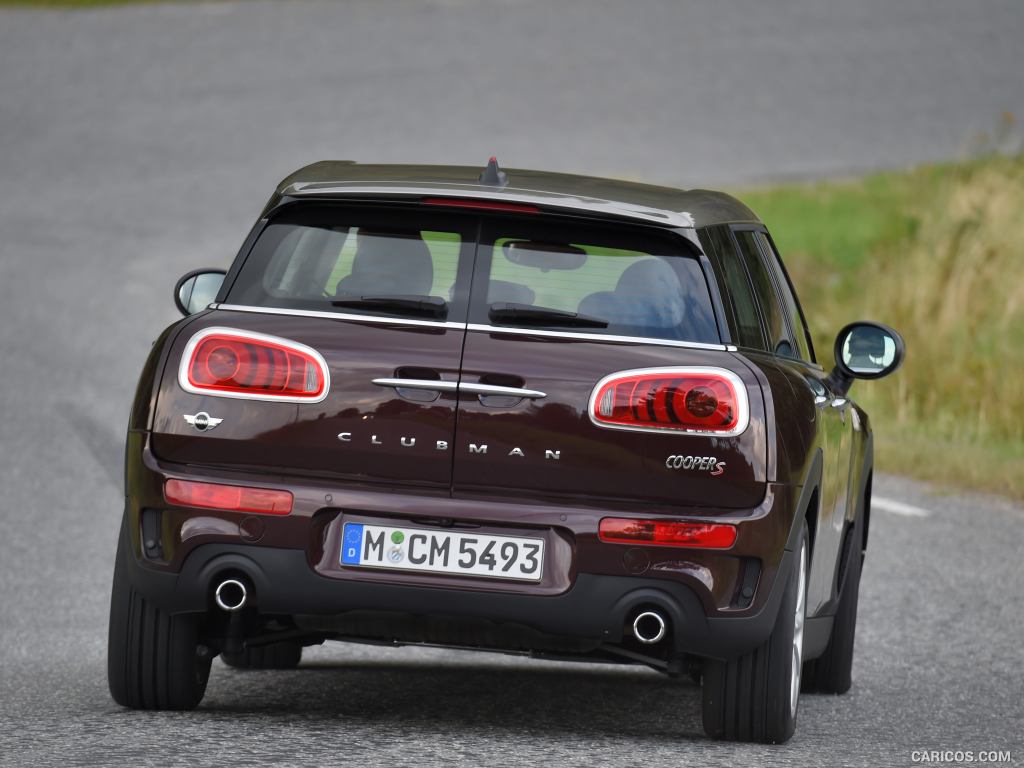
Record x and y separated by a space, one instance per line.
527 430
471 402
304 281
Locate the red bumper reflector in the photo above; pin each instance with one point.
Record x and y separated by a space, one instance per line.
482 205
667 533
233 498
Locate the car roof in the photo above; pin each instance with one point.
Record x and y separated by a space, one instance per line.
592 195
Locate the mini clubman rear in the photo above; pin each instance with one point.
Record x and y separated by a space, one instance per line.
522 412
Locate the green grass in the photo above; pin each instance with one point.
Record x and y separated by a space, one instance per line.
937 253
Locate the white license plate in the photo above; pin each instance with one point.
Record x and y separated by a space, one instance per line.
417 549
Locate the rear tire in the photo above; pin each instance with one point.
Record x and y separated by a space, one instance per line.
274 656
154 659
755 697
832 671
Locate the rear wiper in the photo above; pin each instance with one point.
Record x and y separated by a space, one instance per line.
528 313
432 306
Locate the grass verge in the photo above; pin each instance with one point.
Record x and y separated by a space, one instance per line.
935 252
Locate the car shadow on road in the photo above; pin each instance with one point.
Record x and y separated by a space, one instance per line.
588 700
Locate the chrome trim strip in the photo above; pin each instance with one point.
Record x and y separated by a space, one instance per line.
338 316
434 385
186 357
678 219
493 389
742 403
583 336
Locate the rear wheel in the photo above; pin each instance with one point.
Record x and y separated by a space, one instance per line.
154 659
832 671
754 697
274 656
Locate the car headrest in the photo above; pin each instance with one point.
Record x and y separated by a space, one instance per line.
389 262
505 291
651 295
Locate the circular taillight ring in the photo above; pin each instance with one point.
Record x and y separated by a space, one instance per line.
208 357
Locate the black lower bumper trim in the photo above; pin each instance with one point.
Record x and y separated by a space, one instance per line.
595 608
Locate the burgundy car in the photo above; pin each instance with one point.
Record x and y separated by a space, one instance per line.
554 415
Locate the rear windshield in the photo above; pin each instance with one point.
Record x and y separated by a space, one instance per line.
333 259
615 280
529 272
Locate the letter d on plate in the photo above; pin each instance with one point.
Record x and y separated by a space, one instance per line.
351 543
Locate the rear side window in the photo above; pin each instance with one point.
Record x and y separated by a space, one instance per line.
796 317
780 339
332 259
746 323
537 274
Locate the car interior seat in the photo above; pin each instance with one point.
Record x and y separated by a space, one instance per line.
389 261
500 291
647 301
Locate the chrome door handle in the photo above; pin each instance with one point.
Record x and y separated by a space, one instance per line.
494 389
434 385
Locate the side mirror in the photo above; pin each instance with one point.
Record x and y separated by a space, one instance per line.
865 350
197 289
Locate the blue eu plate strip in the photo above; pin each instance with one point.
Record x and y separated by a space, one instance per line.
351 543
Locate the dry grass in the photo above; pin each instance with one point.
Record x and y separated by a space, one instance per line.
947 271
956 289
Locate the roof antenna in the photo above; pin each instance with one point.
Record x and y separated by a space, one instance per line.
493 175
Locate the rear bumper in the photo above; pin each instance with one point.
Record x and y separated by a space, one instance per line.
595 608
592 592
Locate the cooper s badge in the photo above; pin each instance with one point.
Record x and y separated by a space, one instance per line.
699 463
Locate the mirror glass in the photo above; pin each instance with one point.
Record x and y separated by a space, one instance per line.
544 256
198 290
868 349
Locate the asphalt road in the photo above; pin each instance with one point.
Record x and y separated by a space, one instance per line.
136 143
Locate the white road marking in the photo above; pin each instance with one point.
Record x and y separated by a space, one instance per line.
898 507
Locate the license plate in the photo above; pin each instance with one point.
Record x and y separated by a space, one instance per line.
417 549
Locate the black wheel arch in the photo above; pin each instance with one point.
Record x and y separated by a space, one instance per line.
867 475
855 541
808 506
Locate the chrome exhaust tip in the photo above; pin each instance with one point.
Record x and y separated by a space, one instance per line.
231 595
649 627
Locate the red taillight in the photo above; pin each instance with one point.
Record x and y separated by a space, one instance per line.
230 363
666 533
483 205
233 498
700 400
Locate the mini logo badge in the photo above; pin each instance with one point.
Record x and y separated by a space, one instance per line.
202 421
